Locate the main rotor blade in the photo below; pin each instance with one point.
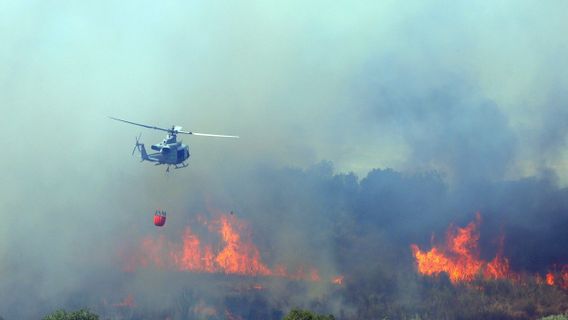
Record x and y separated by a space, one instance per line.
142 125
208 134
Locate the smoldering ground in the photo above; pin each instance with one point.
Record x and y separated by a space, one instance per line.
464 102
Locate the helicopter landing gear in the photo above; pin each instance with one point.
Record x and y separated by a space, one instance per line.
183 165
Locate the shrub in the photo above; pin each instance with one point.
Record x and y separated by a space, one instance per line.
297 314
556 317
82 314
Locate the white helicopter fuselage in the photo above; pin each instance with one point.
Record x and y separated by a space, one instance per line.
174 153
170 152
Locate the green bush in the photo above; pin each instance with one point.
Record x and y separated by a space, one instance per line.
82 314
556 317
297 314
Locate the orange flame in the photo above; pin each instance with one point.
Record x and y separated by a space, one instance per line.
549 279
557 278
459 258
237 256
337 280
236 253
127 302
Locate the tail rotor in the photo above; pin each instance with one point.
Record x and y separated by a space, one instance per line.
138 144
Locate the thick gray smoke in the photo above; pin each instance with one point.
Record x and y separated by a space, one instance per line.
466 104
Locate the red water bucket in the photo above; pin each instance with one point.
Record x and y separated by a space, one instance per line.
159 218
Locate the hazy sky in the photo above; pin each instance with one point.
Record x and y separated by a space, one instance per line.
299 82
476 91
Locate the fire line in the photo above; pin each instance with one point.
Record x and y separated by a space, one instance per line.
459 258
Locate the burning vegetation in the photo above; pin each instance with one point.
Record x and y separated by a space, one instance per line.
233 254
459 258
372 231
452 278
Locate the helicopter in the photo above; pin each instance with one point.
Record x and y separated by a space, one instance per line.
170 151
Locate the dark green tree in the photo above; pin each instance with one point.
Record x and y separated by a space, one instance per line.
82 314
298 314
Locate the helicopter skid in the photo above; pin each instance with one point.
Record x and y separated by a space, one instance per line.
183 165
